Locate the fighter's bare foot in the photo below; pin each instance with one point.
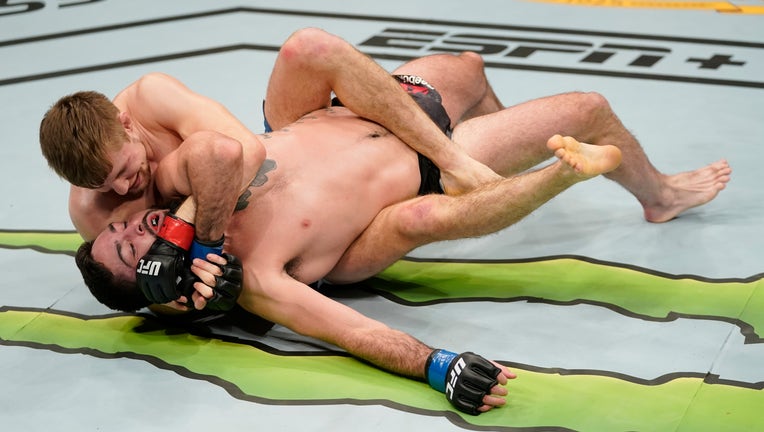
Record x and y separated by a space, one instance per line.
687 190
586 160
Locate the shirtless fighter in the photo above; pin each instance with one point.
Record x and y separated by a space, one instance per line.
301 217
110 169
110 158
351 269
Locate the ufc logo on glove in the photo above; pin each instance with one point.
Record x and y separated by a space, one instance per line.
465 378
458 367
150 268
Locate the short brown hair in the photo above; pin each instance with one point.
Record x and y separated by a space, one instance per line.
75 135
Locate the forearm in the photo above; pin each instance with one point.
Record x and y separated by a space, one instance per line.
212 217
277 297
215 174
187 210
305 311
391 350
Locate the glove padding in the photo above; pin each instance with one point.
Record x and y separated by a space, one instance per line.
227 286
162 274
465 378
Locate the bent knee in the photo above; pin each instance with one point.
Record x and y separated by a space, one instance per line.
473 68
591 101
308 44
473 59
593 107
420 220
305 37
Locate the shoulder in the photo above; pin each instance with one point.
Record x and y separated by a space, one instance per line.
153 80
155 101
147 88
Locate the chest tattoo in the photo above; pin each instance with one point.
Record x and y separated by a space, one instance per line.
260 179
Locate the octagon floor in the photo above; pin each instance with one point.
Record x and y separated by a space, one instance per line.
612 323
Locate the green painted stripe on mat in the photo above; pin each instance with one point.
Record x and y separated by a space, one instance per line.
571 280
580 402
52 242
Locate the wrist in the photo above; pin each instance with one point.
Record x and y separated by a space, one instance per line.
200 248
436 368
176 231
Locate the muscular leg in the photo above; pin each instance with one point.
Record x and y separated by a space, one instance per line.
400 228
460 80
588 117
312 63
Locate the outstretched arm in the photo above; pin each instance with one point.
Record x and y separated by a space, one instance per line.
313 63
305 311
279 298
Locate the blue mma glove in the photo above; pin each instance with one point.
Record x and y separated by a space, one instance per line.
465 378
200 249
163 274
227 286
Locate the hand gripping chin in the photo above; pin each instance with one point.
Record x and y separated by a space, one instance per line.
227 286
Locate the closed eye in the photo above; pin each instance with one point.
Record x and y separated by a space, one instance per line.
119 253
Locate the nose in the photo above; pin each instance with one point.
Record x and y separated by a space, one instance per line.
121 186
136 230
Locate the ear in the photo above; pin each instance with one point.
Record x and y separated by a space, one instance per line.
126 120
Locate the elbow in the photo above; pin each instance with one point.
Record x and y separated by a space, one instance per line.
217 148
227 150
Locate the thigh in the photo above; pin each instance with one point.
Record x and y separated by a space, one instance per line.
459 79
294 87
514 139
394 232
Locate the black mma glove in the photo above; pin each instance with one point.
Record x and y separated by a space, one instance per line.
228 286
465 378
163 274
